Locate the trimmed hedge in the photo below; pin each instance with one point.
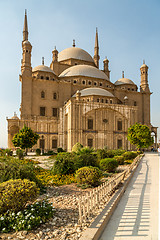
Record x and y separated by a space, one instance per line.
14 194
88 175
130 155
108 164
120 160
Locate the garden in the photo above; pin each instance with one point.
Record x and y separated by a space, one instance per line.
38 195
27 190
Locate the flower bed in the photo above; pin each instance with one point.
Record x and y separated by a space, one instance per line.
29 218
48 178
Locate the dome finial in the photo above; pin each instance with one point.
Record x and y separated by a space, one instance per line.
122 74
74 43
42 60
143 61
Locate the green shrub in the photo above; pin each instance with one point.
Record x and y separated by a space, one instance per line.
50 152
20 153
38 151
77 147
29 218
108 164
130 155
14 194
101 154
120 160
88 175
2 152
17 169
128 161
64 163
8 152
118 152
85 157
59 150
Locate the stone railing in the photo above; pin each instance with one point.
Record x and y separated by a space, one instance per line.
91 201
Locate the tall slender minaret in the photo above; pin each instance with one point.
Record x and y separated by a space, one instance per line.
26 70
26 47
144 86
144 89
96 50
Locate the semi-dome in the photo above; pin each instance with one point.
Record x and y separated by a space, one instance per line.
42 68
75 53
124 81
95 91
84 70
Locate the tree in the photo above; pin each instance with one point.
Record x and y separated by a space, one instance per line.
140 135
25 138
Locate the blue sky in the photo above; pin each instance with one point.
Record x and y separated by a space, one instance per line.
129 31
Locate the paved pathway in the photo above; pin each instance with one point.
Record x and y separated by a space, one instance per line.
136 216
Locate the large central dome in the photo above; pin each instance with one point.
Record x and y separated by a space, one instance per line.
75 53
84 70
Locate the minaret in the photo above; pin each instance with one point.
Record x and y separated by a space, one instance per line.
96 50
144 87
26 77
26 47
106 68
55 55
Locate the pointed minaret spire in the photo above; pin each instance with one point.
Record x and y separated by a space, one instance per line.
42 60
74 43
96 50
25 28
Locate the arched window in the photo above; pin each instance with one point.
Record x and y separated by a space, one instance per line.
54 95
42 94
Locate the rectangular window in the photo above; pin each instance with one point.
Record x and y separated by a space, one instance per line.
90 123
54 112
119 143
90 142
54 143
119 125
42 111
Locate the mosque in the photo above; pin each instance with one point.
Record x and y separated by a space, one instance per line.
72 100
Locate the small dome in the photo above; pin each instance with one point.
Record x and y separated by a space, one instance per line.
95 91
26 42
15 116
75 53
43 68
124 81
144 65
84 70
